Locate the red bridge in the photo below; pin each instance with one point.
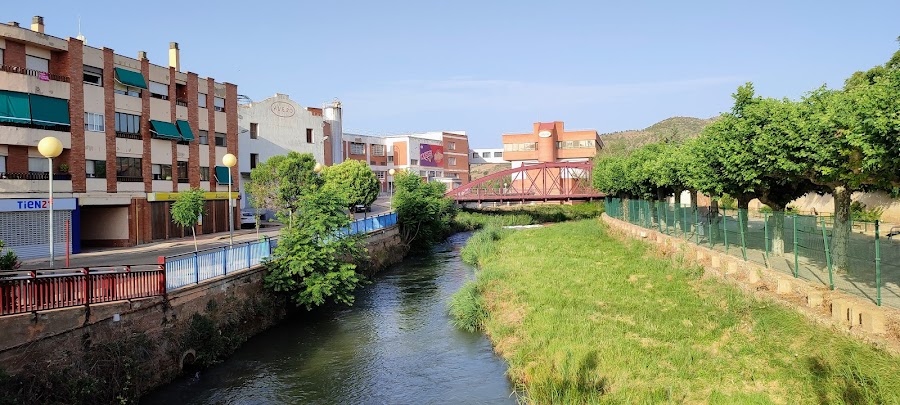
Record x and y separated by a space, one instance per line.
556 181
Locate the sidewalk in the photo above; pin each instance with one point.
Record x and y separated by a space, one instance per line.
147 254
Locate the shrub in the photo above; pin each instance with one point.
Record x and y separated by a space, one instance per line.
467 308
8 260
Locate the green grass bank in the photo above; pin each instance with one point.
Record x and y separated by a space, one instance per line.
470 220
584 317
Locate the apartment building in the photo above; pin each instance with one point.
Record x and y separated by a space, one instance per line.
277 126
486 155
550 142
133 133
436 156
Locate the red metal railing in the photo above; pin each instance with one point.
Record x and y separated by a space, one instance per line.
33 291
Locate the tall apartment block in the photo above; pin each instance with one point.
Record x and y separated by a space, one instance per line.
134 134
436 156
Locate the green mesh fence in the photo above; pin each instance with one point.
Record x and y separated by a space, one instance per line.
864 260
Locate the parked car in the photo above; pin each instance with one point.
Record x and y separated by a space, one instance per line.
248 219
362 208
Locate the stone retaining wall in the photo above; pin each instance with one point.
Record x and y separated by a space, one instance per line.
847 313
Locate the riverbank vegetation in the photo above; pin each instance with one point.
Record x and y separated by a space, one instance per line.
583 317
423 213
470 220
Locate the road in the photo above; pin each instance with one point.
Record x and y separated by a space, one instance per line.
147 254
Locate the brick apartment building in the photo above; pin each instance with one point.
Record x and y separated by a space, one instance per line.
436 156
550 142
133 134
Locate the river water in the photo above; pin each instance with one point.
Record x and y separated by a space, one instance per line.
395 345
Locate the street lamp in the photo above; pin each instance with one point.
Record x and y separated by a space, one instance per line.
50 148
391 188
229 161
318 168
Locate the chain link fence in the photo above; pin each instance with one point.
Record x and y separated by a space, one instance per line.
868 265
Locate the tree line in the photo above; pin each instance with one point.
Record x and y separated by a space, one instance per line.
838 141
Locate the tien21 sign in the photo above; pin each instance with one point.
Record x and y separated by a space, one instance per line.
36 204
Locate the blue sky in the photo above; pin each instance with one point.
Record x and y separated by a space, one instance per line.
489 67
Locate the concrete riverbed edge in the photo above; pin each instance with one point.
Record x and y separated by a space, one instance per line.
848 314
52 340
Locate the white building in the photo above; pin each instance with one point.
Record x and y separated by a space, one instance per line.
492 155
276 126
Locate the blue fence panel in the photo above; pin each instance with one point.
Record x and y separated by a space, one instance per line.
180 272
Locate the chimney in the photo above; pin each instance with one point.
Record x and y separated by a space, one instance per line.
174 56
37 24
142 55
13 24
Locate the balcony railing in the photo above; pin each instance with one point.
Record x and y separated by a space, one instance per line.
129 179
182 102
60 128
128 135
35 73
34 176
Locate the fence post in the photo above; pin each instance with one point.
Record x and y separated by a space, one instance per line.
161 262
697 223
725 228
743 236
877 265
709 232
225 251
248 255
87 286
196 268
827 256
796 253
766 234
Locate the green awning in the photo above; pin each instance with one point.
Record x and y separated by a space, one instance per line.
185 130
14 107
49 110
131 78
223 175
165 130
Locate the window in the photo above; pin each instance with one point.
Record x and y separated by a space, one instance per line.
1 62
2 158
128 126
498 154
475 155
391 158
357 148
93 76
204 173
128 169
38 165
127 90
201 100
161 172
254 160
254 128
159 90
219 103
378 150
451 145
36 63
485 154
451 161
421 173
585 143
95 169
220 139
455 175
182 172
204 139
380 175
309 135
413 161
520 147
94 122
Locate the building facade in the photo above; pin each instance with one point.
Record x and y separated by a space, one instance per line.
436 156
133 135
276 126
550 142
482 156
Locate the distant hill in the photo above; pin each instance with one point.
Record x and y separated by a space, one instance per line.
675 128
479 170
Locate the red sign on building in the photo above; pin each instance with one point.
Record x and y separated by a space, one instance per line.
431 155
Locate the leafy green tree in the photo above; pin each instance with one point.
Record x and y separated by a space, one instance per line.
423 213
313 263
187 208
355 180
280 182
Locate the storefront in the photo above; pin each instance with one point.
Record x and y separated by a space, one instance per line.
24 227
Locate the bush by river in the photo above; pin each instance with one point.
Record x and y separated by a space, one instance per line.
583 317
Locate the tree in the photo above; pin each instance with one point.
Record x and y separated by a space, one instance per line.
187 208
280 182
313 263
355 180
423 213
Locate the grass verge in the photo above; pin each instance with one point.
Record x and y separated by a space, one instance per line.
470 220
582 317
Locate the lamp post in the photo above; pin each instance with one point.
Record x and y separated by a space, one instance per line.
391 188
229 161
50 148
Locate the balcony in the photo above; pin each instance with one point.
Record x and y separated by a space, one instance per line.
182 102
33 182
34 176
28 135
128 135
44 76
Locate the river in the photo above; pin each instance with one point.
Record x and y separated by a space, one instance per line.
395 345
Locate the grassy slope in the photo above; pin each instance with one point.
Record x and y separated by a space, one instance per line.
479 170
583 317
669 128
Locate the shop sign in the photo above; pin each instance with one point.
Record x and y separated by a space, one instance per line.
36 204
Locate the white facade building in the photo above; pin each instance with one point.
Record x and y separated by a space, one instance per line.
276 126
491 155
